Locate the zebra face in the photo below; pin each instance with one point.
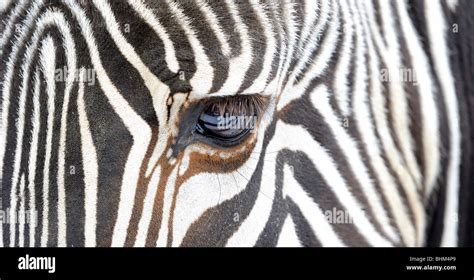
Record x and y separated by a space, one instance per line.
213 91
225 123
155 116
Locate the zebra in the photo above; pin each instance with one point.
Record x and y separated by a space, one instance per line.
118 123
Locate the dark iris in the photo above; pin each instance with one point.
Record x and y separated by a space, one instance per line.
227 127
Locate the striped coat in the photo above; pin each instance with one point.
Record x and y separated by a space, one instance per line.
111 111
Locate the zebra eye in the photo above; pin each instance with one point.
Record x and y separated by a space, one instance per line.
224 127
229 121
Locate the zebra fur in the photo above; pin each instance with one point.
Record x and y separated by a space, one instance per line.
100 151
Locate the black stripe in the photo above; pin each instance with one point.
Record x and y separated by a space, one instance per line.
257 39
74 176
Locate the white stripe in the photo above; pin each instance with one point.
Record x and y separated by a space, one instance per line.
238 65
250 229
259 83
326 11
70 51
341 89
311 9
288 236
214 24
375 28
320 99
162 240
7 79
35 120
310 210
20 127
195 198
395 160
288 49
429 122
12 209
20 121
48 63
201 81
365 124
4 4
159 92
437 37
398 103
21 213
292 137
320 63
48 67
47 19
138 128
147 15
90 166
360 87
322 60
452 4
328 170
10 26
147 211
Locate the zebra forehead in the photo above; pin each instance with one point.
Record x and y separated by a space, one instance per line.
198 46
